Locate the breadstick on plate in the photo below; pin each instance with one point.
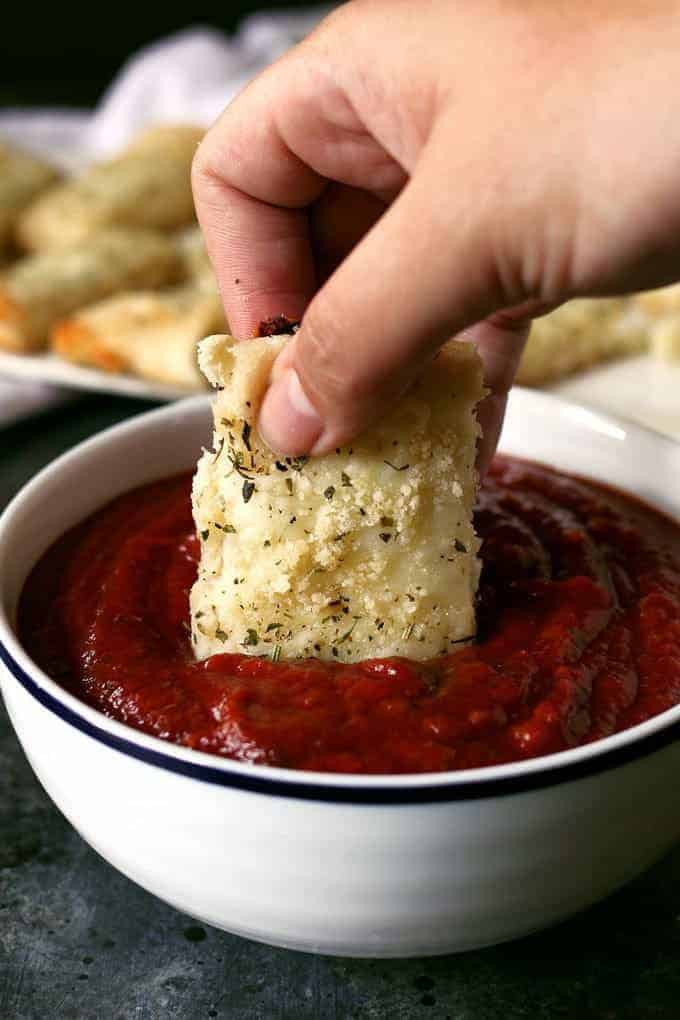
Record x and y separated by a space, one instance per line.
148 187
661 309
369 551
664 338
194 254
41 289
656 304
152 334
22 177
181 139
578 335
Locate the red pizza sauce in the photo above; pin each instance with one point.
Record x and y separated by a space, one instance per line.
579 637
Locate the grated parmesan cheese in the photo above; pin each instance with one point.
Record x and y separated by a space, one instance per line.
365 552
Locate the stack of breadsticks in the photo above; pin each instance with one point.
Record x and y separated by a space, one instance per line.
108 270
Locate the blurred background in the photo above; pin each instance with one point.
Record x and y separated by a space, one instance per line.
117 103
55 58
80 99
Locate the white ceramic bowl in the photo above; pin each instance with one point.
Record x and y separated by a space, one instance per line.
351 865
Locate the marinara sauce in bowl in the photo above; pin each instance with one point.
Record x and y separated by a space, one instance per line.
378 808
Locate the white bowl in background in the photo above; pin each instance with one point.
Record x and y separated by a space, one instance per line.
349 865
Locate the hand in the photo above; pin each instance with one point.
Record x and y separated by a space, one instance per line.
418 169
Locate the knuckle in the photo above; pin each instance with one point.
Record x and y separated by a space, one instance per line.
199 167
218 154
334 22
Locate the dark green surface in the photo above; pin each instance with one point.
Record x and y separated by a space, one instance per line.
80 942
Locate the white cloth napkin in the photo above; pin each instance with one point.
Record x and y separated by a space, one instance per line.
190 76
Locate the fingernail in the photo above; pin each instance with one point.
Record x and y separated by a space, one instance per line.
288 422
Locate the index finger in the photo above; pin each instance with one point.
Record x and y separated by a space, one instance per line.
251 193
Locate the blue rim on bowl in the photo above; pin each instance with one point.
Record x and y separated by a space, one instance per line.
469 784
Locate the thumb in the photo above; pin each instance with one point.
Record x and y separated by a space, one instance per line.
424 272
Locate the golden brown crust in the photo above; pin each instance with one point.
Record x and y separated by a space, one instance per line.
150 334
77 341
39 290
11 325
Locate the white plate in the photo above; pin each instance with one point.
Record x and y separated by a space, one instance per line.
58 135
643 389
48 368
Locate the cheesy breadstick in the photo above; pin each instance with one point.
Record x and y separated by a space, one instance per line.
22 177
578 335
152 334
368 551
41 289
149 186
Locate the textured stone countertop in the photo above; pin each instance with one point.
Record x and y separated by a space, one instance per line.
80 942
